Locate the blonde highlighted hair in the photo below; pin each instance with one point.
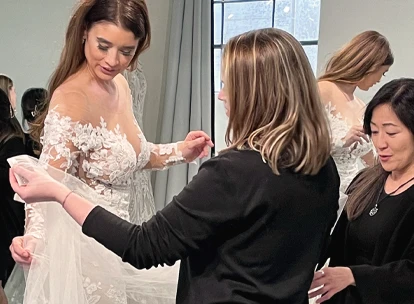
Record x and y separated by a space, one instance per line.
363 55
274 105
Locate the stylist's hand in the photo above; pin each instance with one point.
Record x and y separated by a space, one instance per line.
333 280
196 145
40 187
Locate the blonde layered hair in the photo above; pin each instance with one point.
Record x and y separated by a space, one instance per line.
274 105
363 55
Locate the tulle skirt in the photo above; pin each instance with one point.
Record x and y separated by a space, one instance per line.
71 268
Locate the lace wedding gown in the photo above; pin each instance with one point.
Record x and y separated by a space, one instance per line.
69 267
348 159
143 207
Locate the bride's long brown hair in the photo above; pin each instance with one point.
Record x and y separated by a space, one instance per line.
131 15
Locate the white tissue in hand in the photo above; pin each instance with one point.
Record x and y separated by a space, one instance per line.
26 162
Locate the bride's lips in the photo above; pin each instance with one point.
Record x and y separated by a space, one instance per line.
107 71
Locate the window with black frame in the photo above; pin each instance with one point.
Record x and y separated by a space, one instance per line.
232 17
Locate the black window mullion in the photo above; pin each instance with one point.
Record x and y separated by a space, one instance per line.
273 13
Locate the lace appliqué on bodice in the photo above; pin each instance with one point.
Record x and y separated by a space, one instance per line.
346 158
104 159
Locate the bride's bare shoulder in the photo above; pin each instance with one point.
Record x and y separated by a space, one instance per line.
326 91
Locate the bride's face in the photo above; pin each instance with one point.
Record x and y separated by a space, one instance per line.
109 49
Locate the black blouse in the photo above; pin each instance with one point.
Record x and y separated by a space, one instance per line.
244 234
379 250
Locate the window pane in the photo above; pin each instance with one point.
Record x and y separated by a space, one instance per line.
243 17
284 15
306 18
217 23
312 53
217 70
220 125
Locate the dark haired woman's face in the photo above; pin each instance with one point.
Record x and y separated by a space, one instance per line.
109 49
393 141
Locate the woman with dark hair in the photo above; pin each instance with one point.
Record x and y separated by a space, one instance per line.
31 102
89 131
11 212
372 248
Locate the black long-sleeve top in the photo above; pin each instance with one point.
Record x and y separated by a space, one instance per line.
244 234
379 250
12 213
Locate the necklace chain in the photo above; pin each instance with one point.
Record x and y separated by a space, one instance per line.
374 210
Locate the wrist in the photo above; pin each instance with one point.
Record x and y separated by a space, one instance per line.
179 147
61 194
351 279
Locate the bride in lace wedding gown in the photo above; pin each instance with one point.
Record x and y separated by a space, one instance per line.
104 153
361 63
141 206
89 131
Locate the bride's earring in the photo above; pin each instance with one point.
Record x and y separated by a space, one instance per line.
12 112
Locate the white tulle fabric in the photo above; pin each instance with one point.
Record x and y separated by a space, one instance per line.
348 160
69 267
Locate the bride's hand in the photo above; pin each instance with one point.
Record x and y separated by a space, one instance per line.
39 187
20 253
195 145
354 136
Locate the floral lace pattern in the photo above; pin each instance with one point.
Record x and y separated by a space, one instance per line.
346 159
108 159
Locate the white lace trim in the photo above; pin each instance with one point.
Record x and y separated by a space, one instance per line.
346 159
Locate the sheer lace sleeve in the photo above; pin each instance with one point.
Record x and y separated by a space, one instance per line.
164 156
60 147
154 156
